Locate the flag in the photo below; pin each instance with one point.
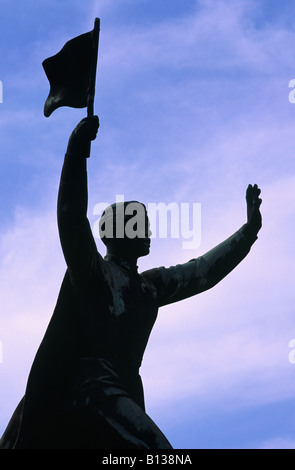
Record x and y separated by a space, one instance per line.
71 72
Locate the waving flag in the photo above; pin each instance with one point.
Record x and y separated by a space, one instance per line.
71 73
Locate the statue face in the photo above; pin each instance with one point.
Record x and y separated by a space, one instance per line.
125 227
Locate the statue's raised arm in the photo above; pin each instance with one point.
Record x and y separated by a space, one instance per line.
200 274
74 229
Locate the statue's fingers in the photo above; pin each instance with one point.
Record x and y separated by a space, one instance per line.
257 190
257 203
249 193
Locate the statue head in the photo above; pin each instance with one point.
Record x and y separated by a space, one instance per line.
124 229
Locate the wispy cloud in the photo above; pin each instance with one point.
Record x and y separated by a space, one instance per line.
192 110
279 443
218 35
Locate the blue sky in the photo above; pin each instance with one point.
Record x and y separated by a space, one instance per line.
193 103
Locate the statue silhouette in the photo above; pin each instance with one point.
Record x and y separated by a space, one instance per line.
84 389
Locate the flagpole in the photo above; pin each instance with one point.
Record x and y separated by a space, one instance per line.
91 89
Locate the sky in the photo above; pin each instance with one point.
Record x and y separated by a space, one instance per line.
194 104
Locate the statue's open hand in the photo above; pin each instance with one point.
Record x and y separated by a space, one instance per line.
83 133
253 200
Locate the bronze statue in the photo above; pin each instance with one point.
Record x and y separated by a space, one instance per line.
84 389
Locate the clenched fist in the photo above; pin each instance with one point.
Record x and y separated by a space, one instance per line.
82 135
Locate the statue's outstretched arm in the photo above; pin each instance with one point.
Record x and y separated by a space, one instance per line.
74 229
198 275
